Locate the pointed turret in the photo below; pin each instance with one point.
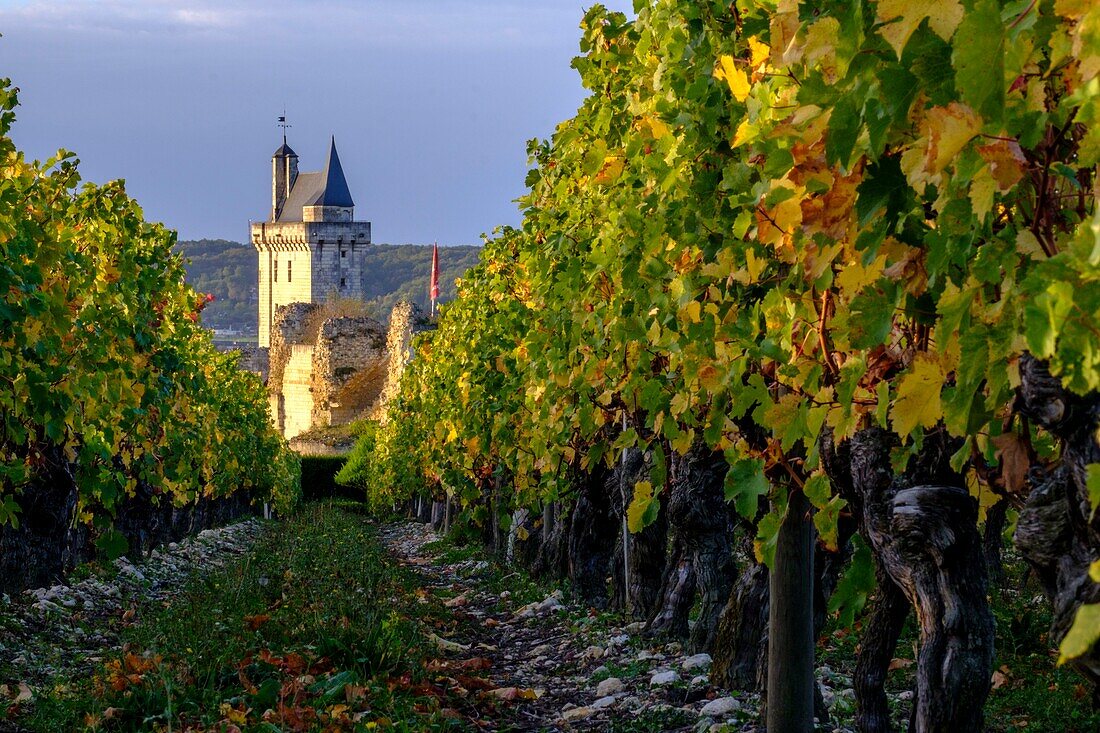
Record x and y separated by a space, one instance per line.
284 172
334 191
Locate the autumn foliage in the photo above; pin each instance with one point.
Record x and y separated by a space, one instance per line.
771 224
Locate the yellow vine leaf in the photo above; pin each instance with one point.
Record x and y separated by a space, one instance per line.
986 497
746 132
1072 9
760 52
821 39
918 401
653 127
611 170
1086 44
691 312
473 447
784 29
754 265
1006 163
853 276
982 188
904 16
1082 635
947 131
949 128
643 497
733 75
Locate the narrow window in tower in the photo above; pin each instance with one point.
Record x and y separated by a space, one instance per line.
276 271
288 272
343 282
343 253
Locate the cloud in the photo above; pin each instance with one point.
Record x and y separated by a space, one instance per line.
119 16
434 23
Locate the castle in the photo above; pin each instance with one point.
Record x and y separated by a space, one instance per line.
311 248
323 368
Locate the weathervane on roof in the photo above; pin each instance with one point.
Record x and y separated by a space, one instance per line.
283 124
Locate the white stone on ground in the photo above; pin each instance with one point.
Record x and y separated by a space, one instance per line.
610 686
720 707
577 713
664 678
697 661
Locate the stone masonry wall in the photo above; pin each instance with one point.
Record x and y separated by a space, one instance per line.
349 368
336 371
406 320
290 328
297 394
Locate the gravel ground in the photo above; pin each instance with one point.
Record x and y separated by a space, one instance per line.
565 670
50 635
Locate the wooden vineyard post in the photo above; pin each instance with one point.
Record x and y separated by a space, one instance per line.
790 702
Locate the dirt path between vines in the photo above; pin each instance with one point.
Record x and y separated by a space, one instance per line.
551 666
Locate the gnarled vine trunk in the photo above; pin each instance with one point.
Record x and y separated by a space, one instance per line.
41 548
887 611
740 642
922 528
699 512
1056 531
677 593
552 560
645 561
592 537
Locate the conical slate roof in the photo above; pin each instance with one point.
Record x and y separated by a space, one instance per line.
323 188
334 190
284 151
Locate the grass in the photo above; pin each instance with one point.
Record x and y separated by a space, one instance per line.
311 631
493 577
653 720
624 672
1031 693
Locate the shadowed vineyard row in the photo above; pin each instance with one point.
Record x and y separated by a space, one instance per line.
804 301
120 424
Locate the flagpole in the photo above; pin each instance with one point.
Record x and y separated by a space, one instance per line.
434 287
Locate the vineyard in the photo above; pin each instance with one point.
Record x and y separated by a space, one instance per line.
122 427
800 326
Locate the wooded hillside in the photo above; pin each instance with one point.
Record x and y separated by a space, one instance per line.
228 270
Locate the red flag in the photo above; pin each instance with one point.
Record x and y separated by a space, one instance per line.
435 271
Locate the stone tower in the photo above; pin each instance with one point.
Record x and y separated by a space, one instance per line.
311 248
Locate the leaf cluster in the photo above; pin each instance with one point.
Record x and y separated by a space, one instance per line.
106 375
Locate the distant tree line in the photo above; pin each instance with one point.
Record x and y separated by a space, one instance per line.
229 271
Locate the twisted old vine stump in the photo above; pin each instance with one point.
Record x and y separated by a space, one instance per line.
1056 531
922 528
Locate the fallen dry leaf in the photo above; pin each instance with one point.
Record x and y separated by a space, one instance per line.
456 602
25 693
513 693
256 621
445 645
899 664
353 693
1015 459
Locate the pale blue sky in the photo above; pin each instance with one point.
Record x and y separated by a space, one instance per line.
431 101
